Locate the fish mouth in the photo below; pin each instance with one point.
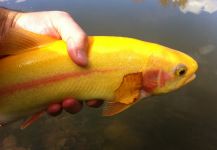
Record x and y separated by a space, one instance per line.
190 79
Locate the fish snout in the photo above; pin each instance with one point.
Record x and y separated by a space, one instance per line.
191 78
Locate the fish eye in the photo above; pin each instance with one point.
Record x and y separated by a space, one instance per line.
181 70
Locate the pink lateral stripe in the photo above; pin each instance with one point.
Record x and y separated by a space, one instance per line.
7 90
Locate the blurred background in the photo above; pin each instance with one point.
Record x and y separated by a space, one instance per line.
185 119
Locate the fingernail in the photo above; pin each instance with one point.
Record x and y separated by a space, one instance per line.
78 55
82 57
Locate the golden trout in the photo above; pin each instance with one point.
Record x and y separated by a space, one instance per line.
37 71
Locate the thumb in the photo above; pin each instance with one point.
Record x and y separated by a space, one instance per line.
75 37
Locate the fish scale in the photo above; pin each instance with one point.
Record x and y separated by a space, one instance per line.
36 76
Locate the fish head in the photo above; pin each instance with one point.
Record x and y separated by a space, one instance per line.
169 70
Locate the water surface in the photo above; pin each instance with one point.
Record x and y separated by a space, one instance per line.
185 119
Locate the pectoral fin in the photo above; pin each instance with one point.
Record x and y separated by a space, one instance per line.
19 40
126 95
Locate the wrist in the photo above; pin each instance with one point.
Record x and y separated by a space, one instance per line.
7 20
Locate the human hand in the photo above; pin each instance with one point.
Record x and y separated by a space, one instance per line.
59 25
71 105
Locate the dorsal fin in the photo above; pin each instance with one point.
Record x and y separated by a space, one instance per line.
19 40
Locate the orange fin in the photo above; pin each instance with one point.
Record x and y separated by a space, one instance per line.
32 119
19 40
113 108
126 95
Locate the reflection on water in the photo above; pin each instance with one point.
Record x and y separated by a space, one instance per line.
185 6
16 1
198 6
192 6
183 120
207 49
20 1
180 3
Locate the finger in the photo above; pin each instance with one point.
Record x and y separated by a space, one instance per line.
74 36
54 109
94 103
72 106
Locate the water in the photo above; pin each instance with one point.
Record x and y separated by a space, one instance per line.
185 119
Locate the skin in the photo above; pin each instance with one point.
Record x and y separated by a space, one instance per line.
59 25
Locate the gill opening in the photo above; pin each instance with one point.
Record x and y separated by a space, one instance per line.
158 78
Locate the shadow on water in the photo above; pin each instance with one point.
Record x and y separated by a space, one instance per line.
185 119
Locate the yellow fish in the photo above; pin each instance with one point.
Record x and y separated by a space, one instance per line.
38 71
